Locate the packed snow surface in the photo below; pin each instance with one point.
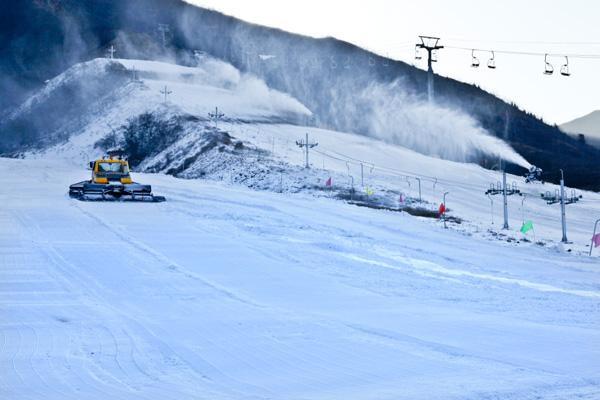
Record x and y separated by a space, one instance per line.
227 293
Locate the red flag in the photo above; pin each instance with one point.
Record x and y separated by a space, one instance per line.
442 208
401 199
328 182
596 240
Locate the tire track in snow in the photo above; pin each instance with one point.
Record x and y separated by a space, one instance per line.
307 359
441 270
444 271
32 365
76 284
169 263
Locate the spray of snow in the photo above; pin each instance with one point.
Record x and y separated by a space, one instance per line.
249 87
430 129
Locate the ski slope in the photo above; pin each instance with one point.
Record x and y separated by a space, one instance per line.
223 292
391 170
263 119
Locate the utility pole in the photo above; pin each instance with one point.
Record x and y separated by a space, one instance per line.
556 198
563 215
504 189
134 75
362 176
504 200
593 236
306 145
444 202
164 29
216 116
112 51
166 92
491 207
430 44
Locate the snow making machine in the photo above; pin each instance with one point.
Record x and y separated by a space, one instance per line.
111 181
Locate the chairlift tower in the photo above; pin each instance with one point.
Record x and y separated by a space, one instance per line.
111 52
165 91
306 145
430 44
559 197
505 191
164 29
216 116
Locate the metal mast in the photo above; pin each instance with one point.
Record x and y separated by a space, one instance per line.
430 44
306 145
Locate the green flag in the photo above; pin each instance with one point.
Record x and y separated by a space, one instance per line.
369 191
526 227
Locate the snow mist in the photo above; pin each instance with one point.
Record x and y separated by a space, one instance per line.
395 116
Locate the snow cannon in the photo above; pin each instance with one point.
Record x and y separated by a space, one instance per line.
111 181
534 174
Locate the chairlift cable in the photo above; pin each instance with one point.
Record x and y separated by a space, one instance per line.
526 53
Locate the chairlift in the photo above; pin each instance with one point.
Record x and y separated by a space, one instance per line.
474 60
417 53
564 70
492 61
434 57
549 69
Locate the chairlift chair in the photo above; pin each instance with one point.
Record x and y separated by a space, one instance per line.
434 57
492 61
417 53
564 70
548 69
474 60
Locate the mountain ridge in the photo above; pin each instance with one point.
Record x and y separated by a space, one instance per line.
587 125
311 70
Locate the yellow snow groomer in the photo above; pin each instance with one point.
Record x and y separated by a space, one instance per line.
111 181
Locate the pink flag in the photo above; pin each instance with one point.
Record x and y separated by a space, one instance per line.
328 182
401 199
596 240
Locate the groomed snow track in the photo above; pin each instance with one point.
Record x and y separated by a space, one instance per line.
227 293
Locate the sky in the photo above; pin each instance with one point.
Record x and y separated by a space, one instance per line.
391 28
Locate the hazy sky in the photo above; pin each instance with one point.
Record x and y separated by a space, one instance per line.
391 28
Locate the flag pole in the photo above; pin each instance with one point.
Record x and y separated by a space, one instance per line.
593 236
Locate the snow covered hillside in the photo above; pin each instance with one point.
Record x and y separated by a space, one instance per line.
223 292
170 89
290 291
255 145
